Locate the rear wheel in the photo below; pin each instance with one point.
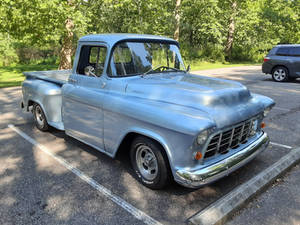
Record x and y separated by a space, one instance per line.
150 163
280 74
39 117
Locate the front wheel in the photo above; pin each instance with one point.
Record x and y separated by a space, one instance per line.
40 118
149 163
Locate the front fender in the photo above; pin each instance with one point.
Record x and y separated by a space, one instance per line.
173 126
266 101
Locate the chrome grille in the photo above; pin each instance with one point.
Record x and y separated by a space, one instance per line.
229 139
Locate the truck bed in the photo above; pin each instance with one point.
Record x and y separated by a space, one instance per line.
54 76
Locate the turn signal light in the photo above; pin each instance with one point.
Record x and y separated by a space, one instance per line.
198 155
263 125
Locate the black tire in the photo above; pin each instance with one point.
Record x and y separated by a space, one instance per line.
40 118
280 74
162 175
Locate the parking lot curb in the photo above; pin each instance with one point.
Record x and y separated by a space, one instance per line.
219 211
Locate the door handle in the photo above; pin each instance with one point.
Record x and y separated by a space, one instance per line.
72 80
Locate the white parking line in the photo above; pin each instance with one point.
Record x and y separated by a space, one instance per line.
224 207
281 145
116 199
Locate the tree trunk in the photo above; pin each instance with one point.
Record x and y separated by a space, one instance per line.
67 47
230 37
177 20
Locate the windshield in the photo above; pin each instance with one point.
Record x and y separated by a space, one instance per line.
136 58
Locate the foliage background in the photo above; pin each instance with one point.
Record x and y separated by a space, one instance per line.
34 30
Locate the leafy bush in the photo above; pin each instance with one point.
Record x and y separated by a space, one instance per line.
210 53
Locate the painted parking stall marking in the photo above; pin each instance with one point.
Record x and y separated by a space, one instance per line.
219 211
104 191
281 145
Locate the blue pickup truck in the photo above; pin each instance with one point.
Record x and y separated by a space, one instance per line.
133 93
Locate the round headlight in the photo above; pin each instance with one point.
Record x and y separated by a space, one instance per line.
202 137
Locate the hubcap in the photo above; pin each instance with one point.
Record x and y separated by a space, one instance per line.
39 116
279 74
146 162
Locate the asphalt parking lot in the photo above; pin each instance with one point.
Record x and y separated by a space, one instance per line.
36 189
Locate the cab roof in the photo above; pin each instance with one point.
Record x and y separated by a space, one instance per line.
112 39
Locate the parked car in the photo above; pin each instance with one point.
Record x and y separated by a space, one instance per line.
283 62
132 92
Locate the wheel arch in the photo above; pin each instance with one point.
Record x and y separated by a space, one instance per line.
276 66
127 139
30 103
36 101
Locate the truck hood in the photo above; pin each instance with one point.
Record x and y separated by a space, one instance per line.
224 101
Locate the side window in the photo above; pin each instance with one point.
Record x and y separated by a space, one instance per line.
93 55
273 50
283 51
295 51
92 59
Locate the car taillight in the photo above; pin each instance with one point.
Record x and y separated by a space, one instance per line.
266 59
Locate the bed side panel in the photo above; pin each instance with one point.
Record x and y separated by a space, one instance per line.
46 94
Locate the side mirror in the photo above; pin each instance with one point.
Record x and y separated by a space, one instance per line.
188 68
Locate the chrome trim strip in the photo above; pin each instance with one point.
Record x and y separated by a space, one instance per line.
219 142
231 138
250 128
241 135
199 177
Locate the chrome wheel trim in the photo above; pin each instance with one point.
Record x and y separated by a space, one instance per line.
39 116
146 162
279 74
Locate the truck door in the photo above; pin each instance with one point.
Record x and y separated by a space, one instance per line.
83 96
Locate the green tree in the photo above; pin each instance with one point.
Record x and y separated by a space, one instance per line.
177 20
7 50
41 22
261 24
128 16
201 29
209 29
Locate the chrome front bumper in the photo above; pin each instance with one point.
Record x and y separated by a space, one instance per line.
199 177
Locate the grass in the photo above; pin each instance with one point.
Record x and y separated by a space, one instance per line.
11 76
201 65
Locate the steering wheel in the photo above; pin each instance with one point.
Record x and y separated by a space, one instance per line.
163 68
158 68
90 71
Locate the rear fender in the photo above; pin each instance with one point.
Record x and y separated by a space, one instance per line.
48 96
